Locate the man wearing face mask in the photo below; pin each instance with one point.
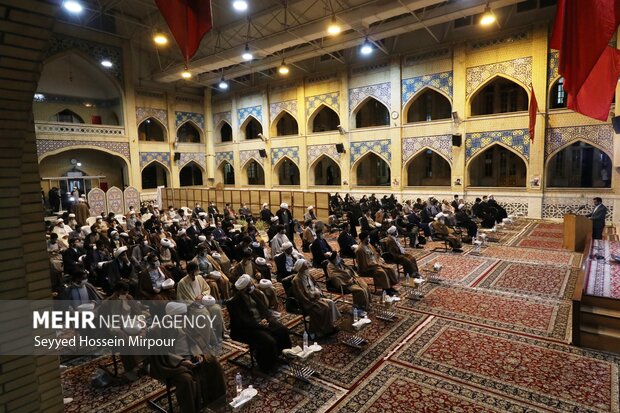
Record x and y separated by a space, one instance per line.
71 256
372 265
151 281
137 233
278 240
308 236
274 228
206 265
139 254
116 241
117 270
197 210
80 291
286 220
321 250
245 266
344 276
251 322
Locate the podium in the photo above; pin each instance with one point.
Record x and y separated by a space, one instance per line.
576 230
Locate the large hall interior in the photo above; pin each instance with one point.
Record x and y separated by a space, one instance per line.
381 206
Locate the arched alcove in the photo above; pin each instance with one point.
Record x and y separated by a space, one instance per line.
188 133
579 165
326 172
67 116
371 113
254 173
497 166
191 175
557 95
428 168
154 175
225 132
251 128
324 119
286 125
287 172
429 105
499 95
372 170
225 174
151 130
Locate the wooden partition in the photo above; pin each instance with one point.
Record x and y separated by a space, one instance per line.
298 201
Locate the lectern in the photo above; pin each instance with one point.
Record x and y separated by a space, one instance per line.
576 230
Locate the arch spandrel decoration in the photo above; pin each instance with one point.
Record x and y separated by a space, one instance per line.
222 116
161 157
517 139
380 147
276 108
245 156
144 113
553 62
254 111
132 198
441 81
328 99
279 153
49 145
198 157
381 91
441 144
599 135
519 69
197 118
224 156
97 202
315 151
115 200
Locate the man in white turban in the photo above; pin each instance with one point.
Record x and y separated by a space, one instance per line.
408 261
279 240
441 232
286 220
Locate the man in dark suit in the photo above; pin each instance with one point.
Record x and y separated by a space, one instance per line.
598 218
71 256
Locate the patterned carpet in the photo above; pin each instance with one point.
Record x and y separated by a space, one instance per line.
464 270
531 255
603 278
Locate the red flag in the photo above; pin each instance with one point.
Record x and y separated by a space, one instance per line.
189 21
533 113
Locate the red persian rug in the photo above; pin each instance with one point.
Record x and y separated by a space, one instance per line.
531 255
459 269
545 243
540 373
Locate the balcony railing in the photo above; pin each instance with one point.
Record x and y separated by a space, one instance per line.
79 129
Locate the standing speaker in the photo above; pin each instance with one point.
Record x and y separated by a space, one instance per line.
457 140
263 153
177 156
340 148
615 121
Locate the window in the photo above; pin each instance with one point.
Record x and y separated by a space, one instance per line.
151 131
190 175
229 174
557 99
188 133
429 105
326 172
497 166
325 120
256 175
288 173
373 171
372 113
154 175
499 96
226 132
579 165
67 116
428 169
252 129
287 125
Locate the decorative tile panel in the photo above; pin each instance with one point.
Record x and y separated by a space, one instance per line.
115 200
197 157
224 156
558 208
96 51
245 156
132 197
182 117
519 69
220 116
97 202
145 113
553 62
442 81
148 157
278 153
516 139
277 107
512 205
244 113
600 135
380 147
327 99
441 144
315 151
48 145
381 91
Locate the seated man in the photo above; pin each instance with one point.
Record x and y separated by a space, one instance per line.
117 269
372 265
80 291
71 256
151 281
442 231
251 322
278 240
206 265
321 250
285 261
308 236
344 276
322 311
408 261
464 221
346 241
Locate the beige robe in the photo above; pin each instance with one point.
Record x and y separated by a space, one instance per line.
345 277
408 261
372 265
323 312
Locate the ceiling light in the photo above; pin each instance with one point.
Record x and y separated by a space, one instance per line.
334 28
186 74
106 63
240 5
73 6
160 39
39 96
223 84
78 164
247 54
283 69
366 48
487 17
88 104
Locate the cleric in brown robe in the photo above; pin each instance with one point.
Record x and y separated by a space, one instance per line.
344 276
399 255
371 264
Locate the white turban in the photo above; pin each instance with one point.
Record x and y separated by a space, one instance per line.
265 205
216 255
260 261
181 232
310 207
124 234
255 244
265 283
174 308
461 206
202 238
392 230
166 243
85 230
71 215
175 220
208 300
119 251
202 214
298 264
60 220
215 275
113 233
243 282
274 219
287 245
168 284
284 205
438 216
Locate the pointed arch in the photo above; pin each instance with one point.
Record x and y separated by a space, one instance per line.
417 94
558 98
427 167
189 132
499 94
370 112
325 170
579 164
323 119
253 172
154 174
152 130
371 169
286 171
251 127
225 173
191 174
225 131
497 165
428 104
67 116
284 124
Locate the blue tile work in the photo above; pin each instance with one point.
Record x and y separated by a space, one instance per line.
381 91
198 157
182 117
441 144
244 113
442 81
220 116
517 139
148 157
553 60
315 151
599 135
245 156
224 156
289 105
519 69
290 152
380 147
327 99
48 145
144 113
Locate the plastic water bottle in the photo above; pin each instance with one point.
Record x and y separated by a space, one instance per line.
355 315
239 383
384 297
407 279
305 341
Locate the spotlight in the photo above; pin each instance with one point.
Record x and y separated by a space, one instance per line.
73 6
223 84
88 105
78 164
283 69
240 5
488 17
334 28
247 55
186 74
160 39
366 47
106 63
39 97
